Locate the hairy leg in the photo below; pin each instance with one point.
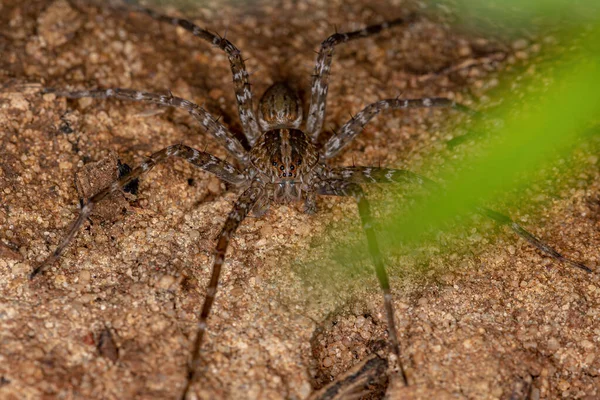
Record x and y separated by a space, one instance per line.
342 188
356 383
320 80
207 162
531 238
241 82
208 122
389 175
378 175
353 127
242 207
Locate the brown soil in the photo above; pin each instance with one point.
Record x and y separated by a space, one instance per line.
489 318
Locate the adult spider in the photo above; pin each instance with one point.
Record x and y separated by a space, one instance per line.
284 164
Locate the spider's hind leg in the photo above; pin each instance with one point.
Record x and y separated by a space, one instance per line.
388 175
350 189
530 237
246 202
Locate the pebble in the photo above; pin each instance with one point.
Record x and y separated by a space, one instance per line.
589 359
521 55
214 185
58 23
553 344
360 321
266 231
84 276
520 44
85 102
60 279
327 362
49 97
166 281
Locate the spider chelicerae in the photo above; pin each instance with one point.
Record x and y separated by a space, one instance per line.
278 162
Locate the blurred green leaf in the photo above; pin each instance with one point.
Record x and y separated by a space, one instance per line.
554 117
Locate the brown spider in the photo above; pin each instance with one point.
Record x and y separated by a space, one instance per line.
283 163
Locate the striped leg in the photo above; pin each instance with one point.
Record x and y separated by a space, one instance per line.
342 188
241 82
320 80
357 383
242 207
388 175
353 127
531 238
378 175
208 122
207 162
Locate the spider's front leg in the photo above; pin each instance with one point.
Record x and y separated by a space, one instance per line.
353 127
242 207
208 122
344 188
206 161
388 175
241 81
320 80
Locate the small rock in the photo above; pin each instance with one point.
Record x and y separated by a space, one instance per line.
521 55
553 344
360 321
214 185
84 276
58 23
166 281
266 231
520 44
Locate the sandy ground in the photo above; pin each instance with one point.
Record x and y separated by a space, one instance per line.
481 316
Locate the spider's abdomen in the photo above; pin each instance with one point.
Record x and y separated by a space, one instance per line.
279 107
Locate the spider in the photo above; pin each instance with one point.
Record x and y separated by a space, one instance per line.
280 161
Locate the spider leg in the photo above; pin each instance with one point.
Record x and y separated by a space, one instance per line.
388 175
240 210
206 161
356 383
241 81
531 238
211 124
343 188
320 80
310 203
353 127
378 175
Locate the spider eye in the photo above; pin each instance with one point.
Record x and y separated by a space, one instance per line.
282 168
274 163
299 162
291 168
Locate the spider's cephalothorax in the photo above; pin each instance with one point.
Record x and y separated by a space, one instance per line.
283 159
284 163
